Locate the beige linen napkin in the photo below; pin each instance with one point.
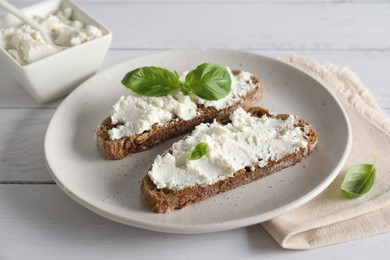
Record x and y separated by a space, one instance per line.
331 218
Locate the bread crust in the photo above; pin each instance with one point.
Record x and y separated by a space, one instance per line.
119 149
164 200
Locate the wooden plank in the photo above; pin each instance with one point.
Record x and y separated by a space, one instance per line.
22 3
47 219
280 26
21 144
40 220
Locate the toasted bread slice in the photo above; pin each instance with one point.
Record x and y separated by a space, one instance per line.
119 149
165 199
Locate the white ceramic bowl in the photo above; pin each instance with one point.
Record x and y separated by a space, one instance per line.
54 76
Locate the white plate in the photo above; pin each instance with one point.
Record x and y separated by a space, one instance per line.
111 188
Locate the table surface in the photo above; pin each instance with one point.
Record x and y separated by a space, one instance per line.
39 221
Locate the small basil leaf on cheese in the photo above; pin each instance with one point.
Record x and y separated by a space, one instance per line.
358 180
152 81
199 151
209 81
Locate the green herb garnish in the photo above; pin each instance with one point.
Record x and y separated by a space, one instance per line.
199 151
208 81
358 180
151 81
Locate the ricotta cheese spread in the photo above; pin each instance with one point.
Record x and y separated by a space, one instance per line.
26 45
245 142
135 114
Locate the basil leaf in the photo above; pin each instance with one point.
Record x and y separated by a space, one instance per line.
199 151
185 88
209 81
152 81
358 180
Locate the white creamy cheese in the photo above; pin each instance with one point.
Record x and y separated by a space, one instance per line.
136 114
26 45
245 142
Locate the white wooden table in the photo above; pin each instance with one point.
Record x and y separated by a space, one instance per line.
38 221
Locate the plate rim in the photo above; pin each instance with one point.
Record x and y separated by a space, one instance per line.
209 227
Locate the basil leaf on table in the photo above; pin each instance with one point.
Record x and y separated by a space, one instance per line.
358 180
209 81
199 151
152 81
